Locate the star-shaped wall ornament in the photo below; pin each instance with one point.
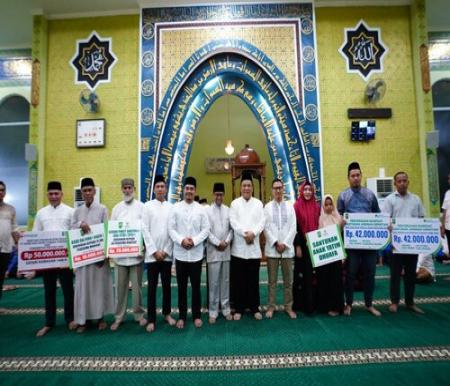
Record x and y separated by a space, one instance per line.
93 61
363 50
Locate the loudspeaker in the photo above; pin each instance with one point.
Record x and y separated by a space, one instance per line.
30 152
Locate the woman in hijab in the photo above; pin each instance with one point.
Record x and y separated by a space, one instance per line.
330 290
307 211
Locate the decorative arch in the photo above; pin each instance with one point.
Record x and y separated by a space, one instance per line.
232 67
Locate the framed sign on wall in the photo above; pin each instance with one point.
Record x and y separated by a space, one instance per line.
90 132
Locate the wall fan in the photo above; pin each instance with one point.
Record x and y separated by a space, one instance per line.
375 90
89 101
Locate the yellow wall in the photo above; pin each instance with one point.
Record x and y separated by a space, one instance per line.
396 146
119 106
211 138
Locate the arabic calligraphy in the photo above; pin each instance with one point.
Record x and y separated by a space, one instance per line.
93 61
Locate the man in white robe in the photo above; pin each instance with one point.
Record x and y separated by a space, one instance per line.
128 269
218 255
188 229
93 283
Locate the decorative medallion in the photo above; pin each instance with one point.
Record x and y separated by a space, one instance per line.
308 54
311 112
93 61
309 82
148 31
147 116
363 50
148 59
147 88
307 25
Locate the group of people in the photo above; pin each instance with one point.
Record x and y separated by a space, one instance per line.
186 232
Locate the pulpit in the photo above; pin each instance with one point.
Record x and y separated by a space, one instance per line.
248 159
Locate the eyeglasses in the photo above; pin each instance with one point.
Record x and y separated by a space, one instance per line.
278 187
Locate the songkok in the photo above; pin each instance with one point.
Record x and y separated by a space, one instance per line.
246 175
159 178
202 201
127 182
88 181
353 166
190 181
54 185
219 187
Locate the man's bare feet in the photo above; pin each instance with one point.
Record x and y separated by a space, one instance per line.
229 317
101 325
150 327
257 315
81 329
415 309
43 331
72 325
348 310
212 320
114 327
269 313
373 311
291 314
142 322
393 308
180 324
170 321
198 323
237 316
9 288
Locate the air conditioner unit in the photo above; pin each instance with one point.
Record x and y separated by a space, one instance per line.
78 199
381 186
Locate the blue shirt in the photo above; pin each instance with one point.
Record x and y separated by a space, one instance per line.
357 200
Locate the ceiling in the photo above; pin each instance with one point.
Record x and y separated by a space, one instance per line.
16 15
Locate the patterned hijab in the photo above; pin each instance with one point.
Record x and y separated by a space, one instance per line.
329 219
307 211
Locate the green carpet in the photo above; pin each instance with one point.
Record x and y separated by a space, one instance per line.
318 335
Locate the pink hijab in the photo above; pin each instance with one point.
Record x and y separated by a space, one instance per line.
329 219
307 211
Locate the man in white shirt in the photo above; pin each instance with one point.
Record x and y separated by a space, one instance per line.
55 217
158 253
128 269
8 234
93 283
401 204
218 255
247 221
280 230
445 218
188 229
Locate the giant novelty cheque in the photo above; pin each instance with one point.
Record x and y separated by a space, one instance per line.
42 250
124 239
86 248
416 235
325 245
366 231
